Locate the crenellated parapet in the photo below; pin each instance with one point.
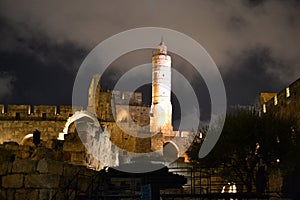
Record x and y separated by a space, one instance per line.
37 112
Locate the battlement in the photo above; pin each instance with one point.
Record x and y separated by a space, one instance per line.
37 112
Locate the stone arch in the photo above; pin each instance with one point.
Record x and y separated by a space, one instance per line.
71 128
76 116
170 150
25 138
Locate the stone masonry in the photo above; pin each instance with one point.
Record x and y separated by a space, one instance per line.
40 174
17 121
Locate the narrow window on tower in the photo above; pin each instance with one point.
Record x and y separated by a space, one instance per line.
57 110
287 92
275 100
17 116
264 108
43 116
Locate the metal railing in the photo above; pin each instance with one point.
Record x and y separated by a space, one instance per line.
66 191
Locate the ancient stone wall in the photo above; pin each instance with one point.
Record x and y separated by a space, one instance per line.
104 109
17 121
37 112
11 130
28 173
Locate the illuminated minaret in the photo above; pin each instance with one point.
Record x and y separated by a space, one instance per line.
161 108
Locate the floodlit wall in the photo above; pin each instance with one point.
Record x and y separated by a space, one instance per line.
286 102
16 121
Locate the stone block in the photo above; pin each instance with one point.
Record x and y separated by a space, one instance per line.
50 144
11 146
3 194
58 194
70 170
4 168
66 156
18 124
5 155
24 148
42 181
18 154
24 166
12 181
50 129
27 194
50 166
88 172
71 146
7 125
9 168
65 180
41 152
46 194
83 183
25 154
10 193
78 158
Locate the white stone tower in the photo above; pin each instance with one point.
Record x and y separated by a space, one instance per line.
161 108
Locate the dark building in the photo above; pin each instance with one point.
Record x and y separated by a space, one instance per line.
285 103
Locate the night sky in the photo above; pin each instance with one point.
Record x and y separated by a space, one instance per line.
255 44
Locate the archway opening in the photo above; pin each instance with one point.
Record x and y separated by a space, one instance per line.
27 140
170 151
83 116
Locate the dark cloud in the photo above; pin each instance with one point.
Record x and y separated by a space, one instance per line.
254 2
254 43
43 72
6 85
236 23
249 76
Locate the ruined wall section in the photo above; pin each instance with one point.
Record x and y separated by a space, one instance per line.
94 93
104 107
38 174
